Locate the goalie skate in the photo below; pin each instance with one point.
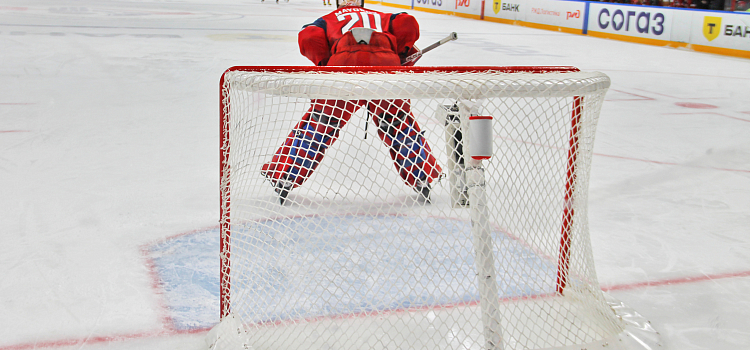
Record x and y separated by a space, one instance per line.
423 189
282 190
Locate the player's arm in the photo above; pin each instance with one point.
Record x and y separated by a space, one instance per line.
406 30
313 42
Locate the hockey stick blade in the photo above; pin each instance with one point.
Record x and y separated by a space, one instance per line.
418 54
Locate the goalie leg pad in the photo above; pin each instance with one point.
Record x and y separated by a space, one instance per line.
407 146
304 148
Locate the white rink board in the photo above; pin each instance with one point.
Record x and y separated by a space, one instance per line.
703 30
565 14
728 30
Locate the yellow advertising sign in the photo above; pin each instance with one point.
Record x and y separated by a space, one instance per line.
496 6
711 27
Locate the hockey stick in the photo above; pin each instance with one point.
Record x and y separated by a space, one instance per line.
418 54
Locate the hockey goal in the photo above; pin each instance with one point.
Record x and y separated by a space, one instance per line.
492 253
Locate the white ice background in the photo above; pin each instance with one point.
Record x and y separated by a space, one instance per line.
109 147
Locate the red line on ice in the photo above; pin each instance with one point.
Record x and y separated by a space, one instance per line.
97 340
712 113
668 163
680 280
170 331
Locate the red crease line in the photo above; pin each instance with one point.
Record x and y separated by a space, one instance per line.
100 339
82 341
106 339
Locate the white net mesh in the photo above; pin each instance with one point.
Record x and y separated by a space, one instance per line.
390 235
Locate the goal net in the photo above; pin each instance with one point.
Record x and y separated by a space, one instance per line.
409 208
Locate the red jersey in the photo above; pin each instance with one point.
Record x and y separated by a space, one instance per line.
316 40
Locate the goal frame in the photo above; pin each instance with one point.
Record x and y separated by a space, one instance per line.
225 147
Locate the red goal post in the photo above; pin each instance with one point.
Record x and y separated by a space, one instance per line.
525 209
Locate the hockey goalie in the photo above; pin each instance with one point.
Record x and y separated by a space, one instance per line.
352 35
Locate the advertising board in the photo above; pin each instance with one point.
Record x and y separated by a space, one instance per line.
566 14
720 32
631 20
725 30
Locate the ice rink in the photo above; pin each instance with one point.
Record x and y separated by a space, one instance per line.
109 135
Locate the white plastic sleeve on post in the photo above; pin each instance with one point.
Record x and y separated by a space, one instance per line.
480 131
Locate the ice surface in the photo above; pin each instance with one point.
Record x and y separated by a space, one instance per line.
325 247
109 145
